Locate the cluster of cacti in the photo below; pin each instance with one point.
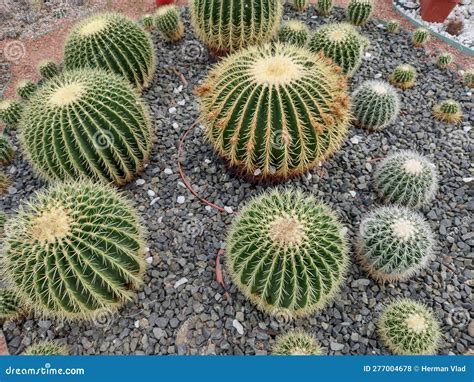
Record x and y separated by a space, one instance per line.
26 88
393 26
10 111
5 182
324 7
300 5
403 77
227 31
448 111
87 122
46 348
420 37
112 42
394 243
299 118
74 250
444 60
406 178
359 11
468 78
408 327
286 253
294 32
296 342
6 150
148 22
342 43
375 105
10 306
168 22
48 69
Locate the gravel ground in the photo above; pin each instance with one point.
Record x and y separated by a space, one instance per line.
181 309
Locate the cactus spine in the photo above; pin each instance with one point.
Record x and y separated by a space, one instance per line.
324 7
148 23
468 78
168 22
48 69
359 11
25 89
393 26
294 32
448 111
444 60
6 150
286 253
307 120
5 182
403 77
300 5
9 304
10 111
227 31
420 37
296 342
47 348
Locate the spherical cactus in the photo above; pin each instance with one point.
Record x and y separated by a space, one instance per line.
300 5
25 89
394 243
294 32
468 78
448 111
10 306
403 77
87 122
324 7
359 11
341 43
48 69
147 22
46 348
296 342
393 26
275 111
225 31
444 60
5 182
286 253
375 105
420 37
112 42
409 328
10 111
168 22
74 251
6 150
406 178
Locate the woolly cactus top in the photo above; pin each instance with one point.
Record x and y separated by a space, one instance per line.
296 342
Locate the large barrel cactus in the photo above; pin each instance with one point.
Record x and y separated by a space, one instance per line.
286 253
10 305
46 348
6 150
296 342
87 122
275 111
229 25
112 42
74 250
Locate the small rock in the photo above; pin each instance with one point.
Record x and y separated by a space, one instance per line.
238 326
181 199
180 282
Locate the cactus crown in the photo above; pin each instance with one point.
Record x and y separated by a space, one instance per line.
409 328
394 243
25 89
444 60
300 5
359 11
147 22
393 26
6 150
420 37
296 342
74 250
9 303
237 25
324 7
404 76
112 42
286 253
448 111
306 122
294 32
48 69
10 111
47 348
168 22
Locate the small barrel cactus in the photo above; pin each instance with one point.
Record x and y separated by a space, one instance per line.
393 26
294 32
112 42
375 104
46 348
10 111
359 11
286 253
26 88
406 178
420 37
444 60
5 182
403 77
225 32
147 22
341 43
468 78
6 150
296 342
84 231
307 120
48 69
324 7
98 124
168 22
408 327
448 111
10 306
300 5
394 243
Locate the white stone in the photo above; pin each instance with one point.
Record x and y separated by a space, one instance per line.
229 210
257 172
149 260
353 193
467 180
378 75
151 193
355 139
238 326
175 125
182 102
180 282
168 171
140 182
154 201
172 110
181 199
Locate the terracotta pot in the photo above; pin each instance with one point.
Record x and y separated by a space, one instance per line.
437 10
159 3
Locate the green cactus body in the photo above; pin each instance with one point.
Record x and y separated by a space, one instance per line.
112 42
74 251
300 5
448 111
359 11
394 243
6 150
87 122
168 22
408 327
296 342
25 89
48 69
420 37
341 43
9 304
46 348
275 111
147 21
406 178
444 60
403 77
10 111
230 25
468 78
294 32
5 182
375 105
286 253
393 26
324 7
3 220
